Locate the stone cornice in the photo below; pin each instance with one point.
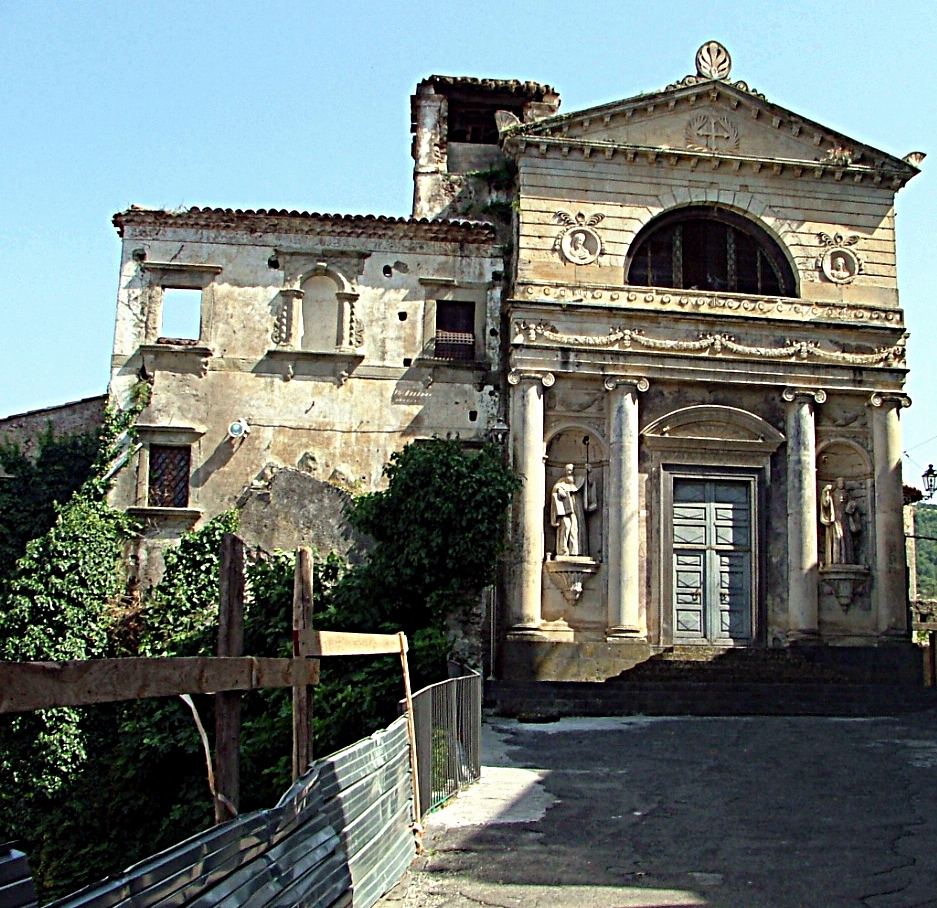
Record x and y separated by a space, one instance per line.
795 168
687 301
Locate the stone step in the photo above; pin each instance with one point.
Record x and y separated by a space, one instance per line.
548 699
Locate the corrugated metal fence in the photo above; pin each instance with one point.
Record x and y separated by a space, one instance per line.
447 720
339 837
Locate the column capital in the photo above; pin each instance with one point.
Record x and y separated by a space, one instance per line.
616 381
891 398
515 377
292 293
791 394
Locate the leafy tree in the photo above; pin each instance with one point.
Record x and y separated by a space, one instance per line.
56 603
925 525
28 498
134 772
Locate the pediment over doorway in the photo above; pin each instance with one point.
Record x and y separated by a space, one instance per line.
712 426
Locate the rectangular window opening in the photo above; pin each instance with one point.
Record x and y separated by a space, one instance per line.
455 330
181 316
169 476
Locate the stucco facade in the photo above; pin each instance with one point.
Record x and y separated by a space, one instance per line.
690 297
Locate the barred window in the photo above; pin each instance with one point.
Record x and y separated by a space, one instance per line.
455 330
706 248
169 476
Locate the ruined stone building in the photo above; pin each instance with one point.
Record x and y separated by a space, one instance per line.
681 309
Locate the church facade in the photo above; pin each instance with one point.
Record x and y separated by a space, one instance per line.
681 309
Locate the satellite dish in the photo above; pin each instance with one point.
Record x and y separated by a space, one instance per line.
238 429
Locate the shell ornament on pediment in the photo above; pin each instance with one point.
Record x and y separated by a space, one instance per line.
578 243
712 132
837 262
713 61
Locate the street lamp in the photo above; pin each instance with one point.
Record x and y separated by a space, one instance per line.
929 478
498 432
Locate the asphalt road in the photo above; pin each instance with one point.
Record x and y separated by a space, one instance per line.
770 812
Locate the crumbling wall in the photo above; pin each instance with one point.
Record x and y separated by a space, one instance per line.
74 418
287 508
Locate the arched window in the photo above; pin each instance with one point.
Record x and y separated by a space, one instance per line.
705 248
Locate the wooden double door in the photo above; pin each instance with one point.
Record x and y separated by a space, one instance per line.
712 554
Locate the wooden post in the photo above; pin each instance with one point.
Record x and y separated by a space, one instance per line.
932 658
411 729
228 703
302 694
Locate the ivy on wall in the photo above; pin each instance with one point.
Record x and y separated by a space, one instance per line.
89 791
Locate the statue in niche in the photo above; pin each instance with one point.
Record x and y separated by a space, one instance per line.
570 501
839 514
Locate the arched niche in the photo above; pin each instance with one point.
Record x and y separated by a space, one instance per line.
844 468
578 445
842 457
710 248
328 315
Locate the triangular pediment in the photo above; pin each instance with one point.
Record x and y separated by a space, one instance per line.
710 116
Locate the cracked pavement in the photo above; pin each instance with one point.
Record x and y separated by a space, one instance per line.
635 812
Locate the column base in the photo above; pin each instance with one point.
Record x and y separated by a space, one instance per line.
803 637
526 632
623 632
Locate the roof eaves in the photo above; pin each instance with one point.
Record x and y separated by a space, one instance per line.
347 224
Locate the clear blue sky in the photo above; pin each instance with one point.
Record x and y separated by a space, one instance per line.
305 105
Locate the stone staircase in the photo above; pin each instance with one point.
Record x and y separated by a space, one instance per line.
703 681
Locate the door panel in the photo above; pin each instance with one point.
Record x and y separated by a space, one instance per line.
712 561
688 593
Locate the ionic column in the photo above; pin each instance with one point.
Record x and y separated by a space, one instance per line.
802 560
527 456
624 618
889 593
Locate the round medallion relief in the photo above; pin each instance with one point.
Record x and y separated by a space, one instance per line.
580 245
839 265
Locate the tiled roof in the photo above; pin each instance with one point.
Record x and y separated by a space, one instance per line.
530 91
265 220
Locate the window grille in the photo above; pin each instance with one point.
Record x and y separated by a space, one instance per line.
709 249
455 330
169 476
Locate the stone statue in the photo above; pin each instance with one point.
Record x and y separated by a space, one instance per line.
570 501
839 514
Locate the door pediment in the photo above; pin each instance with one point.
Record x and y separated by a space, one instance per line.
712 428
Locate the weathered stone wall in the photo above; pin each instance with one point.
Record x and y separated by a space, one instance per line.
75 418
288 508
335 410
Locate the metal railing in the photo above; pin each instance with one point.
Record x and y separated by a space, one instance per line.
447 721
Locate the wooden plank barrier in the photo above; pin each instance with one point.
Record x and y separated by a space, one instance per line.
344 831
26 686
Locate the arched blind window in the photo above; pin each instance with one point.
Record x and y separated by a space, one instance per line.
704 248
